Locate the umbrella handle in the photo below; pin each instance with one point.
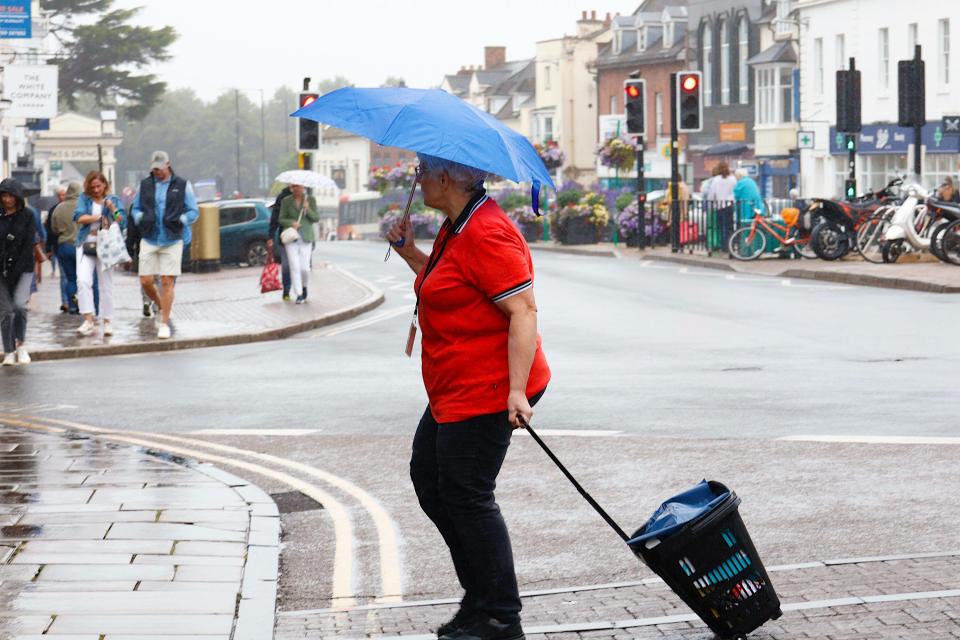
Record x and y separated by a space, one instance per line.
406 216
573 481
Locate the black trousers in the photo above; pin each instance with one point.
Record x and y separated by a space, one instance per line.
454 468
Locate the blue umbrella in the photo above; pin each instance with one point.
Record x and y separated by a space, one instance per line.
434 122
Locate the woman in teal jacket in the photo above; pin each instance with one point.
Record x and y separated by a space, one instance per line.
298 212
747 194
96 210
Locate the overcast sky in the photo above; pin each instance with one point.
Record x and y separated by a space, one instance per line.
231 43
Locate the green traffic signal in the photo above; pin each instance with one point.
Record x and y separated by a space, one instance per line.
851 144
851 192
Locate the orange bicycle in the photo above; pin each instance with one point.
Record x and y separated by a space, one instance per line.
749 243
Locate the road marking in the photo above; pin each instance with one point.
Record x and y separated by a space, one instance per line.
620 585
256 432
343 555
574 433
874 439
366 322
391 582
8 406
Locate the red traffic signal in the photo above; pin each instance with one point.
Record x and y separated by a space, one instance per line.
633 91
634 105
307 99
688 93
689 83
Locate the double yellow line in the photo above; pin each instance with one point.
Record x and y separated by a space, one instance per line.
342 591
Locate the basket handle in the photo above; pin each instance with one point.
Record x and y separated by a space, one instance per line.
573 481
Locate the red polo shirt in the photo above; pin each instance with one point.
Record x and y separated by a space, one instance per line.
482 259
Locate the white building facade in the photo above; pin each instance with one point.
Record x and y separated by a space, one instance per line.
877 33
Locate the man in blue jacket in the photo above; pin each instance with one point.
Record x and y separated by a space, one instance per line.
164 209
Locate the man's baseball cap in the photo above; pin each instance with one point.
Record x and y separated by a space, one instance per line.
159 160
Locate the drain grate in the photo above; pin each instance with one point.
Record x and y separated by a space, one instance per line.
294 501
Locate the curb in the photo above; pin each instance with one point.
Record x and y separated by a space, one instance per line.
373 299
866 280
603 253
692 261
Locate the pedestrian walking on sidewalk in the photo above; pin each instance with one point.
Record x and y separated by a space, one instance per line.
274 236
483 369
298 212
747 195
64 228
720 196
96 210
18 241
50 247
164 207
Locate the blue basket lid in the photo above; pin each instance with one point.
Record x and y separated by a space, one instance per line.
679 510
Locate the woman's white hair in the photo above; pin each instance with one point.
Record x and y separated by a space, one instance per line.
465 177
740 173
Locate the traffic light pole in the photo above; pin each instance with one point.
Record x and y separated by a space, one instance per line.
917 123
641 196
851 142
674 170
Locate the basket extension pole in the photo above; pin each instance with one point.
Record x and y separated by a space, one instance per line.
573 481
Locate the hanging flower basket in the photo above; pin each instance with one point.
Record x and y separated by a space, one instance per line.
618 153
552 155
377 180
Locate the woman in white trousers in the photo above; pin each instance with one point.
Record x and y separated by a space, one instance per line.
298 212
96 210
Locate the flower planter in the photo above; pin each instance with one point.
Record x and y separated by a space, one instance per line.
531 232
579 231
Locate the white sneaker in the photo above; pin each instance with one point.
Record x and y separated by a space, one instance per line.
10 359
163 332
107 328
22 356
86 328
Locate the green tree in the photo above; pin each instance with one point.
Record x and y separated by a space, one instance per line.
393 81
107 58
332 84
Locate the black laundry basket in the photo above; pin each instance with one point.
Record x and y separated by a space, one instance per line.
710 562
712 565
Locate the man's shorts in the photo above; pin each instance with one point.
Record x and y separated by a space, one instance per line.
160 261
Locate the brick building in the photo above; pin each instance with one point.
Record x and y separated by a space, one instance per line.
651 42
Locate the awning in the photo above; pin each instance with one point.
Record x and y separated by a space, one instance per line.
726 149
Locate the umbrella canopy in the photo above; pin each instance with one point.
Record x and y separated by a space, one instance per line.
434 122
310 179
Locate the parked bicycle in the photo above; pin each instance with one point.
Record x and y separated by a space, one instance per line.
750 242
837 222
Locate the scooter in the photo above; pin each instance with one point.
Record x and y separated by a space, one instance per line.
834 232
949 212
911 226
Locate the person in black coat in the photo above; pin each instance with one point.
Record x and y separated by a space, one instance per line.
274 237
18 236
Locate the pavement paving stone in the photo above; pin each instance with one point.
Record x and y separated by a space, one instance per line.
81 555
811 610
210 307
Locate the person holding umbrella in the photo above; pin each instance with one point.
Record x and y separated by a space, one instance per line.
298 212
483 369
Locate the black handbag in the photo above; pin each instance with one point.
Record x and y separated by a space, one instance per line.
90 247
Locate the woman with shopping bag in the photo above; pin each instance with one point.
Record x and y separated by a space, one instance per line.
298 212
97 212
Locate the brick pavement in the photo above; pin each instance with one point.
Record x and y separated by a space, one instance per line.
100 540
211 309
872 599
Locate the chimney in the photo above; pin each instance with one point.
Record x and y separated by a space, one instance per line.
593 15
607 20
583 14
494 57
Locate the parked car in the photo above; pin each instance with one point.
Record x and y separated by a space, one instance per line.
243 231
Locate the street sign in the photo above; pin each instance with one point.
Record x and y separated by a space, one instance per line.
56 165
32 89
805 140
15 19
951 125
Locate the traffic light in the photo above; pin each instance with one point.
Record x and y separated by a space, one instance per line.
308 131
911 93
635 92
851 143
689 101
848 101
850 189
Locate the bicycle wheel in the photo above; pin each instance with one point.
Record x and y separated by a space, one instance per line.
870 238
747 243
936 238
950 243
804 246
